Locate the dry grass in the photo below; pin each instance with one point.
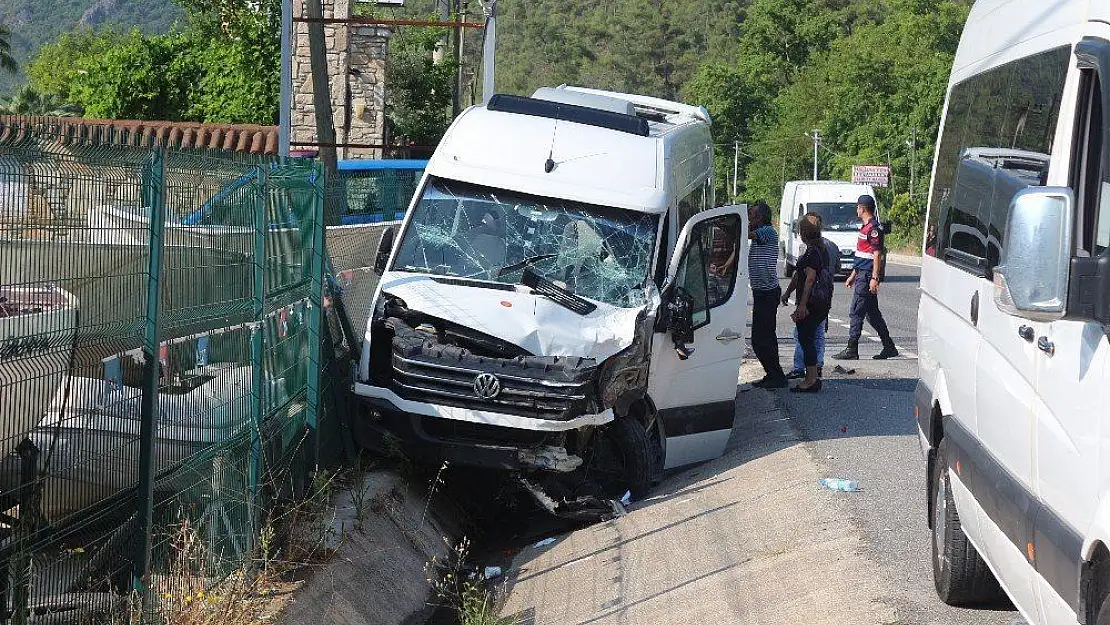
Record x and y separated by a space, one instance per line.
196 590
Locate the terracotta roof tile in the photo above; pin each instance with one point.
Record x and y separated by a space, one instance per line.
261 140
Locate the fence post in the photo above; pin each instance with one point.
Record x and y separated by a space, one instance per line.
316 303
258 349
154 189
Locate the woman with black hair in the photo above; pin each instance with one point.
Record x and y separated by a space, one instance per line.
814 300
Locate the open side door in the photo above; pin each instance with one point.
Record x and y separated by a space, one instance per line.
695 365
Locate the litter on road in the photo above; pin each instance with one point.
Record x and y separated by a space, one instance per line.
840 484
545 542
492 572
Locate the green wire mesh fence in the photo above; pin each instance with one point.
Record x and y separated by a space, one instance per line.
161 323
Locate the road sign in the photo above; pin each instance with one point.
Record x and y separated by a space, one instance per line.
874 175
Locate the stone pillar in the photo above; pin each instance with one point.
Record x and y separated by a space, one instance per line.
356 64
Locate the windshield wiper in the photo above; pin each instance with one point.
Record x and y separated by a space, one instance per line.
556 293
524 263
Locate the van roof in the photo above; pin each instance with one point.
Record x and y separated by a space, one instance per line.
1000 31
592 163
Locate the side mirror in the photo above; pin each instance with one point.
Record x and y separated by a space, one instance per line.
680 322
385 248
1032 280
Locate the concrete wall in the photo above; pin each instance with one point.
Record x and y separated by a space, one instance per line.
356 67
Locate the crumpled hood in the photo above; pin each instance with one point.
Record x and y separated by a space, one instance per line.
533 322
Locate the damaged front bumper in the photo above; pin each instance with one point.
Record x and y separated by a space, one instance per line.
467 436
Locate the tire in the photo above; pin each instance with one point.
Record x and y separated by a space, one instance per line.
627 443
1104 612
960 574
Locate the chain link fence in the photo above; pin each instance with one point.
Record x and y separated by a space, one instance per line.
162 315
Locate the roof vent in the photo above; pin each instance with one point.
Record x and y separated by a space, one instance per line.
569 113
588 100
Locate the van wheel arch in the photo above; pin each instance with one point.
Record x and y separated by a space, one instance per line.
937 435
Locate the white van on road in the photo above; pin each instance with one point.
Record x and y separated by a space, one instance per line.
1013 403
548 307
835 202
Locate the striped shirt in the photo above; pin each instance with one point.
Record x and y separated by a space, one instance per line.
763 258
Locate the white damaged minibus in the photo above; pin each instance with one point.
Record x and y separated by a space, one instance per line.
554 302
1013 402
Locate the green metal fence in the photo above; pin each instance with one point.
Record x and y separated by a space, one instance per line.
161 323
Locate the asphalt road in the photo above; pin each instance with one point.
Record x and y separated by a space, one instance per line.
861 427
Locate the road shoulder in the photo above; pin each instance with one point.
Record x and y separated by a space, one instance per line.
749 538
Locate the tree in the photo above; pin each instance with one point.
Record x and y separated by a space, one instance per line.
419 96
27 101
7 61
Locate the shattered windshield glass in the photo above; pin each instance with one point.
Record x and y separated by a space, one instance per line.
468 231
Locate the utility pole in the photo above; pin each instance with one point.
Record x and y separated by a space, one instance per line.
489 46
285 115
735 167
460 17
913 163
444 10
816 142
321 86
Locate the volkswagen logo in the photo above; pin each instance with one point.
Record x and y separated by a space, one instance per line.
487 386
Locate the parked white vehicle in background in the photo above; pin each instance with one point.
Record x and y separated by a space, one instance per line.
835 202
548 306
1013 402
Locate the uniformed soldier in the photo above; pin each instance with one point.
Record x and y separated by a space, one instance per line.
867 274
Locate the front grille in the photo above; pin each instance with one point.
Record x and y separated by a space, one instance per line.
421 368
422 377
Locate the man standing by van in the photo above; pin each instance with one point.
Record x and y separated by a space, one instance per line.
867 274
763 256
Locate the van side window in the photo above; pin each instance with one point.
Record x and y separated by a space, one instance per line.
1087 178
997 140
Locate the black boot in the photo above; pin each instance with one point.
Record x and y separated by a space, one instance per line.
851 352
889 350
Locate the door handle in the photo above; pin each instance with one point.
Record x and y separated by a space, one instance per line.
728 336
1026 333
1046 346
975 309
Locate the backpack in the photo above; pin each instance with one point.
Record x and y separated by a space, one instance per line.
823 287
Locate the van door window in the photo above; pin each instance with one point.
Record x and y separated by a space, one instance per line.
1087 178
691 276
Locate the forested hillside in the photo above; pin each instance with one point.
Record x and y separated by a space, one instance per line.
35 22
869 75
864 73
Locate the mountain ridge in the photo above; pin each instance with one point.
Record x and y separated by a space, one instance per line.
36 22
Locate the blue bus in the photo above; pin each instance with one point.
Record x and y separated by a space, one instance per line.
378 190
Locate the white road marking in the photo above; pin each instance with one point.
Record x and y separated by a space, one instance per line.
875 339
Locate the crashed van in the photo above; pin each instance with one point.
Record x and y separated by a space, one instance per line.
561 301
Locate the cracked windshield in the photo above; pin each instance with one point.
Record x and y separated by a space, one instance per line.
468 231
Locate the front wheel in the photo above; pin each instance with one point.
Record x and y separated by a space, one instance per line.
961 575
623 460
